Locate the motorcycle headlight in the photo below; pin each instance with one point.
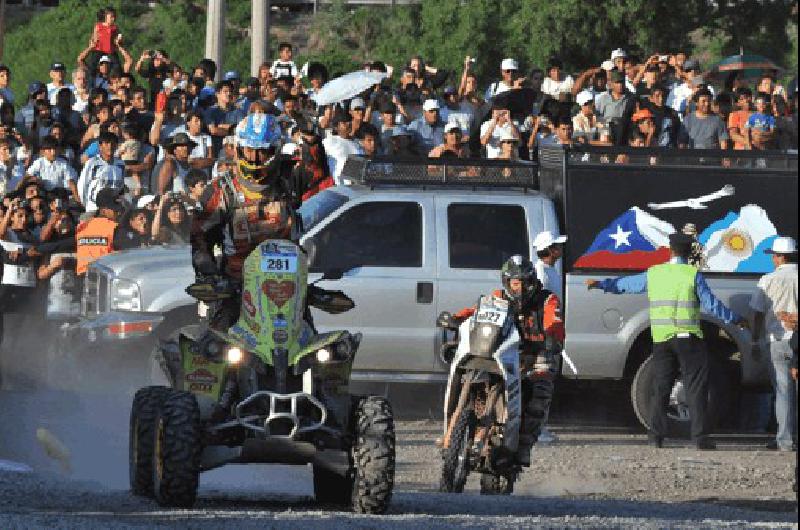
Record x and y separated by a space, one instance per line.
125 295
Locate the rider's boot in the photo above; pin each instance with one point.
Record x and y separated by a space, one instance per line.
537 392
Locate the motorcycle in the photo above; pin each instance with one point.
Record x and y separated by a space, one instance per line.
482 406
269 389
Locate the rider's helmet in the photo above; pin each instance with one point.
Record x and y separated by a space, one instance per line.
520 268
258 139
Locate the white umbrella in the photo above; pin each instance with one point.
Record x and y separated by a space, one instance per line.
347 86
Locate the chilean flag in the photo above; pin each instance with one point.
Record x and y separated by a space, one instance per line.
634 240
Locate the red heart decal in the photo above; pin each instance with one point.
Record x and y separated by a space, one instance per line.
278 292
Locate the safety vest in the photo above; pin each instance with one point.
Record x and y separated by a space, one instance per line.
674 306
95 240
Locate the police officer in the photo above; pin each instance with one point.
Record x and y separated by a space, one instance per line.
677 292
95 236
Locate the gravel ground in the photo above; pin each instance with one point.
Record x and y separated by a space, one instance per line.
590 478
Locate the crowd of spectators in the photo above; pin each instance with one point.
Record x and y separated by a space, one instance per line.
158 132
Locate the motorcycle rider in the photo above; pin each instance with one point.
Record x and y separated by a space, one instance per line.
241 211
537 314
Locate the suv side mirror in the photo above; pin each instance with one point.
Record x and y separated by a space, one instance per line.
446 321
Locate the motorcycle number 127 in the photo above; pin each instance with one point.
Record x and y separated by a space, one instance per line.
279 263
491 317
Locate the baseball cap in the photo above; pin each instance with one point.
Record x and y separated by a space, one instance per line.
231 75
144 200
642 114
783 245
35 87
451 127
57 66
546 239
206 93
509 64
357 103
104 59
584 97
619 52
615 76
430 104
108 198
691 64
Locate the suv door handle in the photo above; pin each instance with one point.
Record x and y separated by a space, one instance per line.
424 292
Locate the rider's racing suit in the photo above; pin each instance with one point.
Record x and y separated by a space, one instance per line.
238 216
541 331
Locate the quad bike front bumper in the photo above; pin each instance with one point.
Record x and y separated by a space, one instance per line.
275 434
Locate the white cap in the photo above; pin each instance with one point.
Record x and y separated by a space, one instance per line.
619 52
546 239
783 245
509 64
144 200
104 59
430 104
607 65
289 148
508 136
357 103
451 126
584 97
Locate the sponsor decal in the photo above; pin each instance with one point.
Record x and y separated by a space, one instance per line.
103 241
201 376
200 360
200 387
248 338
279 292
255 326
247 303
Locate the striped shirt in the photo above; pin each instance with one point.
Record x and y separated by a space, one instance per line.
55 174
96 175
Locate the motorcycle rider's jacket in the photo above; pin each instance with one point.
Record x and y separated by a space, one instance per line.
238 216
538 321
95 239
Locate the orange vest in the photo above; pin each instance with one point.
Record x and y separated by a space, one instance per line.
95 240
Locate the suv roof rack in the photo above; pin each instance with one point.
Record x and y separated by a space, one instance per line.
456 172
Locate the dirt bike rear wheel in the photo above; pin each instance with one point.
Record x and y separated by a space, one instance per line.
455 467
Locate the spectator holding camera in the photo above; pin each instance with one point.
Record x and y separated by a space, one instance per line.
134 230
172 221
494 129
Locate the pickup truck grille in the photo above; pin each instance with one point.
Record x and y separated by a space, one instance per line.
95 293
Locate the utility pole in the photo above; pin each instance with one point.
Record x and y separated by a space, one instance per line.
259 52
215 33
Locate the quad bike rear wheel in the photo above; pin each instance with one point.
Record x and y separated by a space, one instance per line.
373 455
145 406
176 450
497 484
455 467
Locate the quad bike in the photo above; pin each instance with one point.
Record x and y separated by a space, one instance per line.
482 405
268 390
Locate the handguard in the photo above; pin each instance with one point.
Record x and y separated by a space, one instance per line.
210 289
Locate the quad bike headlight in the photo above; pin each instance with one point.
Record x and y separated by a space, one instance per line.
324 355
234 355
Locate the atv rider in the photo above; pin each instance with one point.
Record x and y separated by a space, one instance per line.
537 314
239 212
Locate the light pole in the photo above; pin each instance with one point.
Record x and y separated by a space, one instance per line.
215 33
259 52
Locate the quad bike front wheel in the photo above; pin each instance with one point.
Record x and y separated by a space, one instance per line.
373 455
145 406
455 467
176 450
497 484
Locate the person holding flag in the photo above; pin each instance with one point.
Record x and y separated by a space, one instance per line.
677 292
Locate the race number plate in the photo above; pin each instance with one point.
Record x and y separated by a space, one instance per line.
279 263
491 312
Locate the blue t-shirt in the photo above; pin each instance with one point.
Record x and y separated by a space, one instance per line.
92 149
760 122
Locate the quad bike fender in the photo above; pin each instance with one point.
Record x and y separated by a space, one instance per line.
197 373
319 342
507 358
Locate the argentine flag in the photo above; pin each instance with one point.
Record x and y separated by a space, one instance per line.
736 243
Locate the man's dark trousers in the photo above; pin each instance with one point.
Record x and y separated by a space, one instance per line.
691 355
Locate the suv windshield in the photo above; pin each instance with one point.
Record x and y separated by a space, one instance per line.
319 207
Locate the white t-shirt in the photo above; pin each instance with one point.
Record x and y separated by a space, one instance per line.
493 146
495 88
203 147
338 149
776 291
52 91
550 278
283 68
554 88
55 174
463 118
